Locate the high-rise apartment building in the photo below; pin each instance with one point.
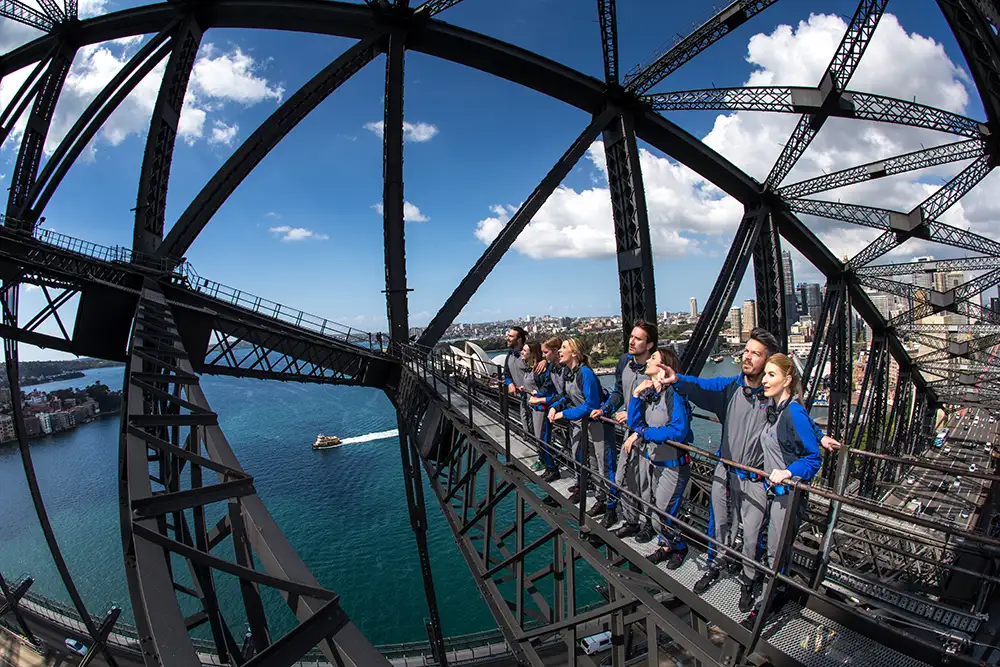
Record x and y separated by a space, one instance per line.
788 290
749 316
736 324
813 300
694 307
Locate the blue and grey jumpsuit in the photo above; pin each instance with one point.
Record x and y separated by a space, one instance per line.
659 416
742 411
632 471
582 393
788 442
514 370
544 387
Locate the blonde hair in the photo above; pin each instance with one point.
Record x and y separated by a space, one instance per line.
787 367
576 347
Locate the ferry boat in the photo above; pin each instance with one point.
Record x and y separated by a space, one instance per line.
326 441
717 359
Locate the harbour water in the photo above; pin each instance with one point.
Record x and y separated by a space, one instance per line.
343 509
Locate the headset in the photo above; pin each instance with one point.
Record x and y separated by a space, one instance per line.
750 393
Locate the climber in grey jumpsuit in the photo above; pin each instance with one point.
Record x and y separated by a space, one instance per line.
514 369
581 396
659 415
789 450
632 470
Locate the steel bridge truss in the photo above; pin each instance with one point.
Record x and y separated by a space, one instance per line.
145 306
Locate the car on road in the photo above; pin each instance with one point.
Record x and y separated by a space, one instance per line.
596 643
958 481
972 467
947 449
75 646
911 479
965 514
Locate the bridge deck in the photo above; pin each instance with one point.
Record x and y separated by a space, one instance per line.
801 634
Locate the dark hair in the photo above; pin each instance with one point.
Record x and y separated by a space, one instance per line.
652 334
522 335
668 357
765 338
535 352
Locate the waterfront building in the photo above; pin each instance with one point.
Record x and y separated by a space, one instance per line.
694 307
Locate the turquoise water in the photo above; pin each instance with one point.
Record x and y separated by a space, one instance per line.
344 509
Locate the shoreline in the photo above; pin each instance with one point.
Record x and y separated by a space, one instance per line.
68 430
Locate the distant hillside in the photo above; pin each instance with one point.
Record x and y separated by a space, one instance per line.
35 372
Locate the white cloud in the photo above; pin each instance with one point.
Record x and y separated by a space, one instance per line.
410 212
288 233
418 132
218 77
223 134
684 208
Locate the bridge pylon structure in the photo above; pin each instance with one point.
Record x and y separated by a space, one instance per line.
896 588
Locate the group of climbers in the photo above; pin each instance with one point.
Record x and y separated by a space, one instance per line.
764 426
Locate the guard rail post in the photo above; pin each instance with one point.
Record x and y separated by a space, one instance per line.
786 536
471 393
583 473
505 413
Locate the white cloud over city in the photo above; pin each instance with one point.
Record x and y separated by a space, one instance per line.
222 81
288 233
415 132
686 212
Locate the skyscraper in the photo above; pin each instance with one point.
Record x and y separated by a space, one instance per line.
813 300
736 323
749 316
788 289
694 307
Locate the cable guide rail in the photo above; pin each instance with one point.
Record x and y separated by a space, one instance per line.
449 374
183 274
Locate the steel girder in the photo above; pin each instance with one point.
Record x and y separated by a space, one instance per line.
643 79
850 104
90 122
33 142
769 280
11 597
257 146
928 157
393 225
631 220
505 239
170 513
721 299
154 177
838 74
910 268
974 25
19 102
15 10
609 40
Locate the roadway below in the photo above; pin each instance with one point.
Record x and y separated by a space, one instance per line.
953 498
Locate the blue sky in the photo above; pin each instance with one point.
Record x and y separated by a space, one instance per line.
485 143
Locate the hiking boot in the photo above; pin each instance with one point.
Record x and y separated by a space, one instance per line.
749 621
746 597
647 534
551 476
598 509
537 466
628 530
610 517
676 559
709 578
658 556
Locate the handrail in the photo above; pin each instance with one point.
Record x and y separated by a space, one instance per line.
184 275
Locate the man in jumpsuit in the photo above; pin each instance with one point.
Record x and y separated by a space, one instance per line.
741 407
513 376
632 471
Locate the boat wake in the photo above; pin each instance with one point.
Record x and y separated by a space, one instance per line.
368 437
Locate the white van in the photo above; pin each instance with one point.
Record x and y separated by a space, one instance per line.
596 643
